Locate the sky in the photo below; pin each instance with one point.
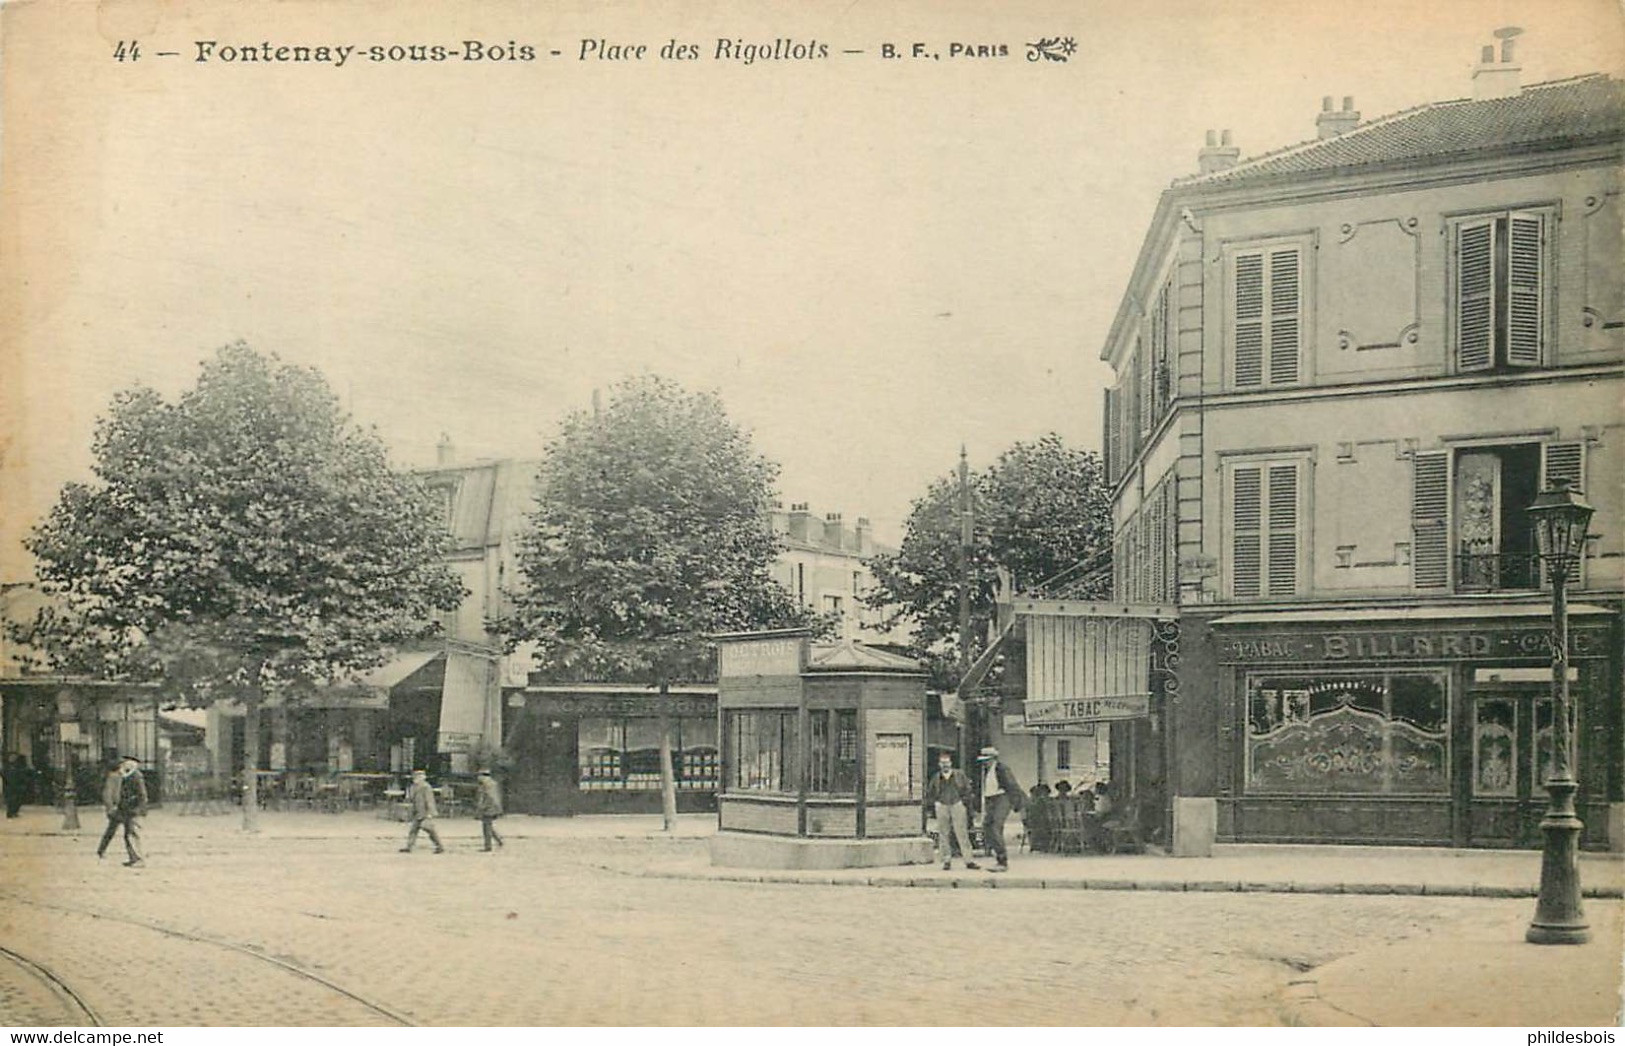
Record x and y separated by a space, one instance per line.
873 261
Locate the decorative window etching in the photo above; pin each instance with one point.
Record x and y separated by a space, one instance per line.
1348 735
1495 750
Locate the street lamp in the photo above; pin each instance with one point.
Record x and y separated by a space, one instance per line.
1560 517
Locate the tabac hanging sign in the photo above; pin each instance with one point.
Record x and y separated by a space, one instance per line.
1088 709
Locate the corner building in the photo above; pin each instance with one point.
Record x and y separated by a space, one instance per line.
1343 371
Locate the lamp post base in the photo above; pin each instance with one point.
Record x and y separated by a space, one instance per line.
1559 916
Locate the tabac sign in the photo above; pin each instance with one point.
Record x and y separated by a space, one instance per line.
1088 709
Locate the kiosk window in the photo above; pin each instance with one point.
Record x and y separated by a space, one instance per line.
833 751
764 746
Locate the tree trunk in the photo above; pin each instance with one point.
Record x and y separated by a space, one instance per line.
251 761
668 779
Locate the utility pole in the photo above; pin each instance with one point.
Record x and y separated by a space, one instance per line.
965 528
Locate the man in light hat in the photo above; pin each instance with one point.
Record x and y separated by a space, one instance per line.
488 807
124 794
421 799
1000 792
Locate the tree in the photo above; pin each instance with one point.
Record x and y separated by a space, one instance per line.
650 534
245 539
1039 511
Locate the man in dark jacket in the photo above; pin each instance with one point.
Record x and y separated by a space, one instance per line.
125 796
488 807
1000 793
18 778
949 794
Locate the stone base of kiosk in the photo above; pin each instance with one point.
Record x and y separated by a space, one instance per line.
744 850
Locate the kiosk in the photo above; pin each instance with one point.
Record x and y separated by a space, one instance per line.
823 754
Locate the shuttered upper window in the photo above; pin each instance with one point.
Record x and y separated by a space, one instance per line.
1500 290
1266 515
1267 321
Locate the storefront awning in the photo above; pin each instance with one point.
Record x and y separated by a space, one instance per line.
463 702
1088 669
394 671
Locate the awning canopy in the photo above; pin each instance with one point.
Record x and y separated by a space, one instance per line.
394 671
463 702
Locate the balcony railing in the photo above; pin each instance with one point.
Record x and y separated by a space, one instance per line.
1497 572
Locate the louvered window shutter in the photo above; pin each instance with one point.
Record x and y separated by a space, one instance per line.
1563 461
1430 507
1283 530
1286 318
1246 541
1109 440
1525 275
1475 296
1249 320
1148 374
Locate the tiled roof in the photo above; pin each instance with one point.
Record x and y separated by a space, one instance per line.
1581 109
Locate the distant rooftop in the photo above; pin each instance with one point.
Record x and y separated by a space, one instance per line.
1575 111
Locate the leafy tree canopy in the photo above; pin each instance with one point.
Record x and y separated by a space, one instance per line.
650 532
1039 510
246 534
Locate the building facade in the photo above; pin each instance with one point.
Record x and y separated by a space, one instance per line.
1344 369
824 564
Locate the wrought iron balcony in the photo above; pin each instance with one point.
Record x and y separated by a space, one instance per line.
1497 571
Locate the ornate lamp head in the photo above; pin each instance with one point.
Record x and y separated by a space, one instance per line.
1560 517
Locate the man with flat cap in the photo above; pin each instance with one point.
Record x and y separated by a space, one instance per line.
421 799
1000 793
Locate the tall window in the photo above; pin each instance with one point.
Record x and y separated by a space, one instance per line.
1266 316
1469 513
1266 516
1500 290
832 751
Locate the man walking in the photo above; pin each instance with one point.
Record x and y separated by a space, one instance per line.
124 796
1000 793
421 799
948 795
488 807
17 775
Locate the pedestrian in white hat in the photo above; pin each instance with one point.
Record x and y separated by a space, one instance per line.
1000 793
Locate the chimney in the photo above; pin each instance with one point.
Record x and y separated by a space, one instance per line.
799 519
863 538
1218 154
444 451
834 530
1498 79
1331 123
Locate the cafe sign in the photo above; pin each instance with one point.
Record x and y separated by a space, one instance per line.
1088 709
1409 646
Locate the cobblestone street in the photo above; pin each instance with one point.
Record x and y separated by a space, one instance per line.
230 929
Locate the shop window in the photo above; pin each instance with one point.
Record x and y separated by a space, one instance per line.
1469 513
1499 307
600 753
697 762
1378 733
764 745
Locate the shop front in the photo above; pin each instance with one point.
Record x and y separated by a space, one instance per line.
52 729
595 748
1408 726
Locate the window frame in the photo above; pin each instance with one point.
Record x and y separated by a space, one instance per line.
1303 462
1501 290
1304 244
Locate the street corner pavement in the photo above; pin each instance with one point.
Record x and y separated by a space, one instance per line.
1483 975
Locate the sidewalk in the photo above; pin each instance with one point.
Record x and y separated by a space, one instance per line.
169 823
